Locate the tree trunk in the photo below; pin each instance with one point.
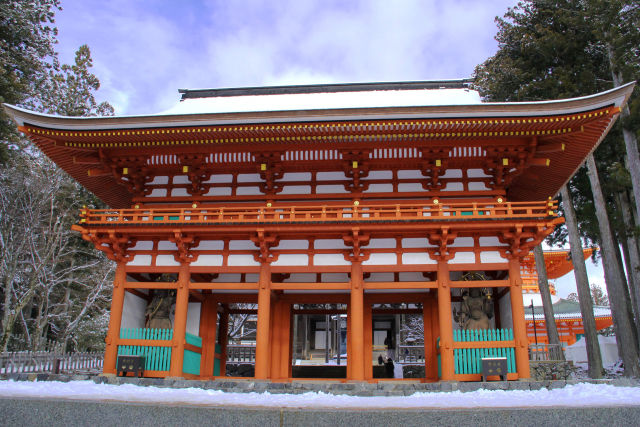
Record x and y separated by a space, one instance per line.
630 140
582 284
614 279
632 256
547 307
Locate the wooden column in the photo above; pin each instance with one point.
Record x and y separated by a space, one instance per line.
224 339
208 326
517 313
368 341
264 322
429 340
446 324
357 322
285 340
276 340
115 320
180 321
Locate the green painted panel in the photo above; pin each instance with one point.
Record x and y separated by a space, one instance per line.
469 360
191 363
157 358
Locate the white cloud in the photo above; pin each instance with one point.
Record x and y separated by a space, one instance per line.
143 52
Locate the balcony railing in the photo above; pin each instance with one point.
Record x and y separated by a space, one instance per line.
320 214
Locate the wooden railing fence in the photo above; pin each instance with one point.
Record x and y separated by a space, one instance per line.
50 362
541 352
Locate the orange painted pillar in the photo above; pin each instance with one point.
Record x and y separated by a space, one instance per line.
276 340
357 322
519 326
180 321
208 326
115 320
285 340
368 341
264 322
446 323
224 339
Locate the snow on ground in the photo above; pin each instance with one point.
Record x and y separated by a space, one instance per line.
580 395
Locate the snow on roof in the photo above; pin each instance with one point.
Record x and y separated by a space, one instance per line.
566 309
325 100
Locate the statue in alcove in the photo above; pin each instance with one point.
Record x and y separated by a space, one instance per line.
476 308
158 312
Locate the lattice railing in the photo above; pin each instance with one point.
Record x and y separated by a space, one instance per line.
302 214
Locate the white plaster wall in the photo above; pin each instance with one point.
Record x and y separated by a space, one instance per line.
179 192
218 191
292 259
476 173
380 188
454 186
463 258
335 277
381 259
379 175
296 176
301 278
491 257
462 242
382 243
248 191
410 174
491 241
210 245
208 261
330 259
158 192
241 260
327 189
219 178
160 180
380 277
478 186
417 258
410 187
416 242
329 244
249 177
296 189
181 179
452 173
292 244
143 245
166 261
411 276
140 260
133 311
166 245
242 245
329 176
193 318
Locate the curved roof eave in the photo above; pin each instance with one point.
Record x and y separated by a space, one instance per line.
616 97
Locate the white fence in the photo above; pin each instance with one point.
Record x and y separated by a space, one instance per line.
48 362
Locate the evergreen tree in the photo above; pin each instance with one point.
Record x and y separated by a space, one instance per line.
557 49
27 38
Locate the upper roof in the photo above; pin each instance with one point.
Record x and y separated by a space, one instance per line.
423 114
400 101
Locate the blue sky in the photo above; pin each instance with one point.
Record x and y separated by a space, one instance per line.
145 50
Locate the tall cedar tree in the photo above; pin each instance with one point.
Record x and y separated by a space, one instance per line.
553 49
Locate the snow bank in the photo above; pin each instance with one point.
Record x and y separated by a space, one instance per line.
580 395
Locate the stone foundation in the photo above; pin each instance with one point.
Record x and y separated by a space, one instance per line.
548 370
